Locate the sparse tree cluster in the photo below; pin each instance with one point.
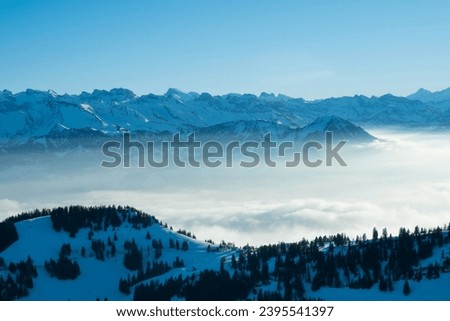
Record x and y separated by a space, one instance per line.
178 263
18 280
133 256
158 247
188 234
98 247
63 268
152 270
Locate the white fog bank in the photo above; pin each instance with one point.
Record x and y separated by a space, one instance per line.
401 181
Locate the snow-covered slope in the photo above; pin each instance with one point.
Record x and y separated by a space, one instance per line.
100 278
105 244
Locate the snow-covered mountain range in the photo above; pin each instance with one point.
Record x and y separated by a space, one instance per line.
47 119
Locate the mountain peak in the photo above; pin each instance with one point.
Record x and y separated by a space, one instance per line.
341 128
122 92
5 93
180 95
425 95
115 94
330 121
272 97
423 91
174 91
33 95
52 93
32 92
266 95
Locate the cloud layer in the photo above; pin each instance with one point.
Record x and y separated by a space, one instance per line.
403 180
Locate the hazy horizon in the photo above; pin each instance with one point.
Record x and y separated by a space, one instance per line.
220 94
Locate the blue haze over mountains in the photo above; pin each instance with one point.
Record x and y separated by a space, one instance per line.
40 118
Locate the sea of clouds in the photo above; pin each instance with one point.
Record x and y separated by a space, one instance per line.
402 180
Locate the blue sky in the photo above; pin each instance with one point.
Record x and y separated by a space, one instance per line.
310 49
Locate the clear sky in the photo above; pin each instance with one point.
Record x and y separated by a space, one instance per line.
310 49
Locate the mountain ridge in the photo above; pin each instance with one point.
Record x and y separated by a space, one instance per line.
428 96
32 115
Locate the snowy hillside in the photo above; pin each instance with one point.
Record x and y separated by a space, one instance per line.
100 274
113 253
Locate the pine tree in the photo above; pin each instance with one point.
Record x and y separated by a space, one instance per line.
390 286
113 249
385 233
382 285
124 287
375 234
406 288
233 262
265 272
316 282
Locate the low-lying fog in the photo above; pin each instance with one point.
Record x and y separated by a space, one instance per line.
401 181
